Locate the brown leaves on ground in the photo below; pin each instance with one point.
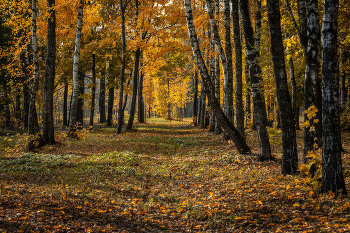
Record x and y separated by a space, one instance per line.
163 176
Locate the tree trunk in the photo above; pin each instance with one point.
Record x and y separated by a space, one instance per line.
75 93
33 126
343 89
93 92
122 69
134 91
312 84
289 143
217 128
264 144
110 106
102 99
203 108
238 68
248 90
294 92
332 175
224 122
228 80
195 100
48 127
141 104
80 107
65 103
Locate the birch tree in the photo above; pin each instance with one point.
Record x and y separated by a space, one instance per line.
332 175
75 94
223 121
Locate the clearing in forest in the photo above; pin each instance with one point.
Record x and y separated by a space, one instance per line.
160 177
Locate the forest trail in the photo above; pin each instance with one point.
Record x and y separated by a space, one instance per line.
160 177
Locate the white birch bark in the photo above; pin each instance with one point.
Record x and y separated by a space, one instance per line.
74 104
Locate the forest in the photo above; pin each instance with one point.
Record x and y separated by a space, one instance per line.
179 116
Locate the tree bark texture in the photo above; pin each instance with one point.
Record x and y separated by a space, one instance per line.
332 175
65 103
134 90
33 127
248 90
312 84
122 69
48 127
289 143
80 107
110 106
75 94
102 99
195 100
224 122
93 91
141 103
258 104
228 81
228 109
238 68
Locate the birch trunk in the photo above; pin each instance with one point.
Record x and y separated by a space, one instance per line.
264 144
102 99
289 143
332 175
312 84
224 122
122 70
32 118
93 92
75 94
195 100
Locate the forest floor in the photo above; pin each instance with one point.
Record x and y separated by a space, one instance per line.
160 177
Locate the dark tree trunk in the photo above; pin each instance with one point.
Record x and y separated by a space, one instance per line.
110 106
343 89
93 92
102 99
195 100
134 90
294 92
203 108
332 175
25 82
289 143
65 103
48 127
238 68
312 83
228 81
258 103
248 90
224 122
141 104
80 107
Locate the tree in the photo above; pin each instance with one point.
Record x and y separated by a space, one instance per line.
48 121
264 144
223 121
33 126
93 92
289 143
122 69
332 175
75 94
195 100
238 67
102 99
